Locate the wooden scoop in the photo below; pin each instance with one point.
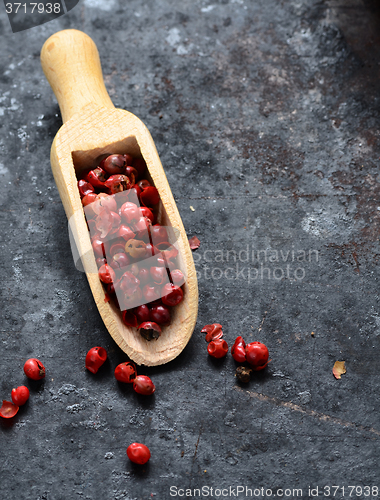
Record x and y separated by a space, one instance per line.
93 128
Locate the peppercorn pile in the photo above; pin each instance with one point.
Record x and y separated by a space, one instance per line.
136 256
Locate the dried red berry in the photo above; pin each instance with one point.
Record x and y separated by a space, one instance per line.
160 314
20 395
149 196
143 385
98 247
96 178
147 212
116 248
171 294
118 183
177 277
138 453
217 348
194 243
131 300
144 275
114 164
128 159
116 219
141 227
142 314
257 355
143 184
103 222
150 251
140 165
85 188
34 369
132 173
120 261
134 192
129 318
150 330
238 350
151 293
159 275
126 372
95 357
8 409
135 248
213 332
130 212
167 250
107 274
103 201
158 234
125 232
128 283
88 199
100 261
134 269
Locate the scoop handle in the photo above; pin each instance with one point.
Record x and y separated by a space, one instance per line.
70 61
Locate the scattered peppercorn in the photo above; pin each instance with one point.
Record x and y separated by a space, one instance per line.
143 385
95 358
213 332
217 348
126 372
243 374
8 409
20 395
34 369
238 350
138 453
257 355
150 330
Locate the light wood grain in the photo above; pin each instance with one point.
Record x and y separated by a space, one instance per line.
92 128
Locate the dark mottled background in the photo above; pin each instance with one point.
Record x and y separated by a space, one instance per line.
266 118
